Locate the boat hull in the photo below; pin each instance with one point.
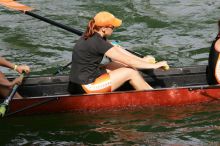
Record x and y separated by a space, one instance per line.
116 100
178 86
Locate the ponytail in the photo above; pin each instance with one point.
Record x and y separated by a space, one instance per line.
218 26
91 27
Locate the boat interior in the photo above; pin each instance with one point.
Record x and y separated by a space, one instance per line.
40 86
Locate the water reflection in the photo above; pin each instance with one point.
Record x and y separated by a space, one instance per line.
186 125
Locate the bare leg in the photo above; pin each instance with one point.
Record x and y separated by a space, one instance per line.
120 73
113 66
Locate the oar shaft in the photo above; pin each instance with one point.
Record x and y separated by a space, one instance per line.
62 68
70 29
22 8
12 92
33 106
135 53
11 95
67 28
5 104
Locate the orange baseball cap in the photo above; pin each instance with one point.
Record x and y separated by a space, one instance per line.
106 19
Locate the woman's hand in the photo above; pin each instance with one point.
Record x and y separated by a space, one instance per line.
163 64
22 68
149 59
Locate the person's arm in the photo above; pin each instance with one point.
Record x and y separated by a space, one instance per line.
6 83
217 45
125 57
119 48
6 63
148 58
18 68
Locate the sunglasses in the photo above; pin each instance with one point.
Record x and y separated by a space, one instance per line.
112 27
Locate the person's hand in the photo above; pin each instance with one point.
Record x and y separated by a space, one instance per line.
149 59
163 64
22 68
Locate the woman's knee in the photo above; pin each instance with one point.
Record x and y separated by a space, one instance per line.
132 72
121 74
124 74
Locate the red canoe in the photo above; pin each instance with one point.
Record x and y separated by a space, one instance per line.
178 86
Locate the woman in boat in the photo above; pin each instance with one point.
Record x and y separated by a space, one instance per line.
86 74
5 84
214 60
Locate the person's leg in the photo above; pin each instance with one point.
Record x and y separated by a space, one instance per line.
113 65
4 91
118 77
121 75
102 84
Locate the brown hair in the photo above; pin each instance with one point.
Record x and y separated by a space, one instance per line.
91 28
219 26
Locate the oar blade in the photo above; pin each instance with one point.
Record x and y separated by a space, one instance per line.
15 5
3 108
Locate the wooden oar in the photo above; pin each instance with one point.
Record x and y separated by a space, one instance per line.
26 10
62 68
5 104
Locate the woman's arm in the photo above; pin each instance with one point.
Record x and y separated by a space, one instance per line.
125 57
6 83
148 58
217 45
6 63
119 48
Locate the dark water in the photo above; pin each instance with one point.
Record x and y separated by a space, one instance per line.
189 125
177 31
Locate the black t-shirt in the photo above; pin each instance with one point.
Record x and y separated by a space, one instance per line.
213 58
86 58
